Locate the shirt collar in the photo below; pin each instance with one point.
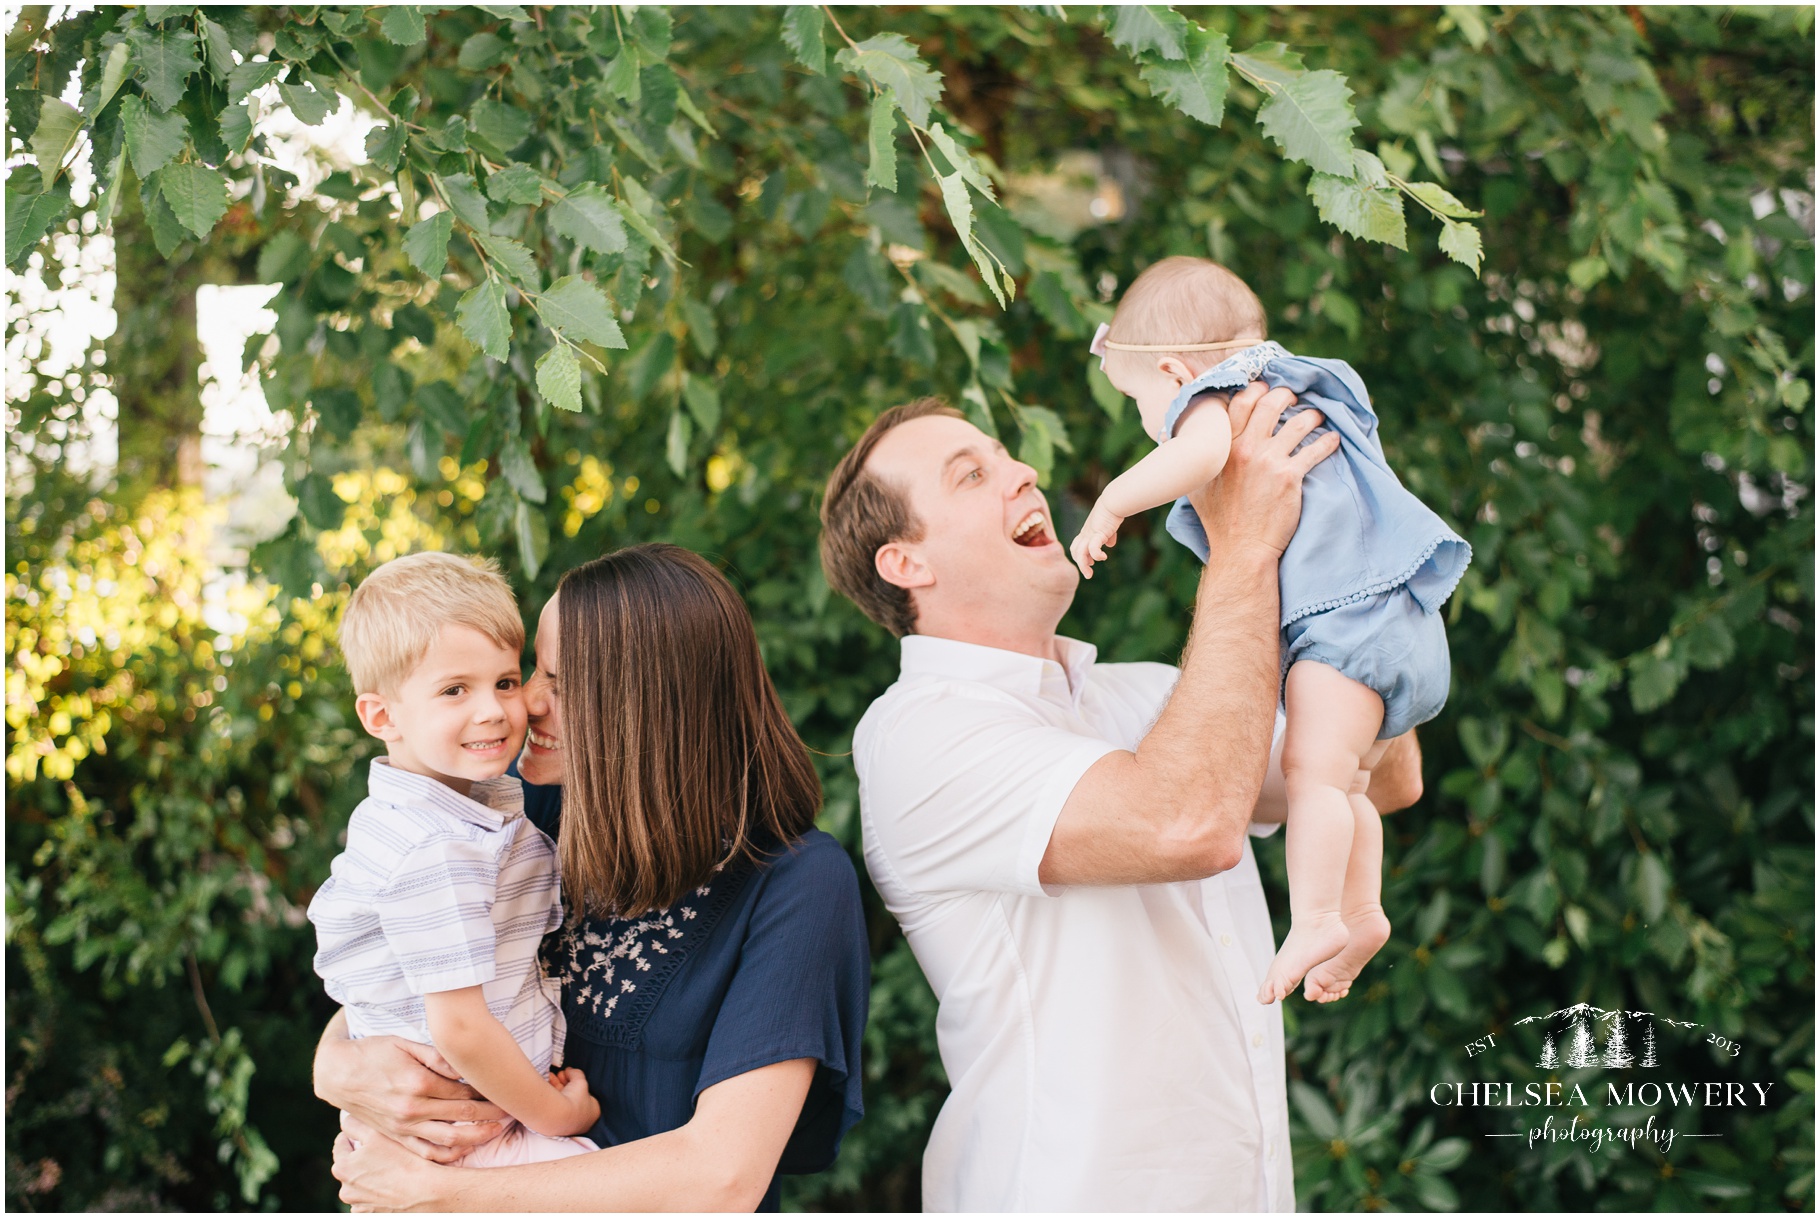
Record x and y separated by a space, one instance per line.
1012 671
492 803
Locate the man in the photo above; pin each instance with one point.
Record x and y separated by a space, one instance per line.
1065 842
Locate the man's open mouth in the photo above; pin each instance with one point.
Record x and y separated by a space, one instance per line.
1032 530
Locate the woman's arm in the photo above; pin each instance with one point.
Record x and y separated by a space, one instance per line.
722 1160
404 1090
479 1046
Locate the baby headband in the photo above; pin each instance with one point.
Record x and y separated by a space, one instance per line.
1101 345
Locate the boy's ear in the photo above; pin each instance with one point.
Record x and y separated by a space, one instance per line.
375 717
901 566
1175 370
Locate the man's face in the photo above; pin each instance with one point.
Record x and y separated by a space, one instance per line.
460 715
988 556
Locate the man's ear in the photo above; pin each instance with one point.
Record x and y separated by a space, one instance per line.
901 566
375 717
1175 370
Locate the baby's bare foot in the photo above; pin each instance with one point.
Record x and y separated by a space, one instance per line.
1331 980
1306 945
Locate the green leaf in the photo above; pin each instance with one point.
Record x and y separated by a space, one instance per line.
578 310
621 76
59 123
588 217
426 244
1362 211
1105 394
216 50
1461 243
197 194
152 139
1150 27
1652 886
1653 681
500 124
236 127
881 139
465 201
640 210
385 146
481 314
688 106
1586 272
703 400
1271 63
113 75
481 52
676 443
29 217
518 184
167 233
890 61
511 257
403 24
520 471
1312 119
960 214
310 106
532 531
803 35
559 378
321 506
1439 200
1195 85
250 76
962 161
165 59
284 257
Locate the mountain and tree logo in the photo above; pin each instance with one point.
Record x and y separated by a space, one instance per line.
1570 1037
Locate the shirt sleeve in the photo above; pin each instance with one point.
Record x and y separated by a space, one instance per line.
961 794
800 991
436 911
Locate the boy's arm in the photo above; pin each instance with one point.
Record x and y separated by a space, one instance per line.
1185 463
479 1046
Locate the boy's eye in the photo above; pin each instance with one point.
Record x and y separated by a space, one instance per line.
508 683
452 691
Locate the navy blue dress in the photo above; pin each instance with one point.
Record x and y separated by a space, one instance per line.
759 965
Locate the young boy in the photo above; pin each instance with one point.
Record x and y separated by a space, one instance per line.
1364 649
429 925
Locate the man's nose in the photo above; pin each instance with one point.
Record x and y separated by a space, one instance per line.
1022 478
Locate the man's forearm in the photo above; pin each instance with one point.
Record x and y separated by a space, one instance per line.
1206 756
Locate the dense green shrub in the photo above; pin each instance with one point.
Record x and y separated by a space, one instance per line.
1617 415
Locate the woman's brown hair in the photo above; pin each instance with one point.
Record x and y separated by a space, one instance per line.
679 757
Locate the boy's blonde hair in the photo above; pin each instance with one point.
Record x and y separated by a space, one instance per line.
1186 300
393 618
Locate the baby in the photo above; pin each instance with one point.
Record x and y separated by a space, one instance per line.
429 925
1364 651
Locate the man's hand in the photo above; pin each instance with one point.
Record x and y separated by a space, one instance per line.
377 1176
1257 500
406 1091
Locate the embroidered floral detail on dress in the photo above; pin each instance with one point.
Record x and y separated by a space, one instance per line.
608 965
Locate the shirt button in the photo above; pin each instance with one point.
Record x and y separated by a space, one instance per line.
1226 940
1257 1039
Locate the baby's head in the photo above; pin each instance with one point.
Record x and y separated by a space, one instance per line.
1180 300
433 643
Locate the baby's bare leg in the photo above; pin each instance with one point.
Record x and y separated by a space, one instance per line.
1332 730
1366 926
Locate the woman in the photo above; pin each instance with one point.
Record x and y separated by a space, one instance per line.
715 966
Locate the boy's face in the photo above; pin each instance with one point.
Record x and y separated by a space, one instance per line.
459 716
1151 383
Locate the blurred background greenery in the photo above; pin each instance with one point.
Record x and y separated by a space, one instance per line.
1616 412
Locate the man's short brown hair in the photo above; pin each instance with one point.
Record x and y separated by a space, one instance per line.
862 512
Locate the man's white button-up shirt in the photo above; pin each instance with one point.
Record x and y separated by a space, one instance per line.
1105 1045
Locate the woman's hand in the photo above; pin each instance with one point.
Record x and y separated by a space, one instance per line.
377 1174
405 1090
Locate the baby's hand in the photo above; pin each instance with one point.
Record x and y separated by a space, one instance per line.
574 1087
1090 544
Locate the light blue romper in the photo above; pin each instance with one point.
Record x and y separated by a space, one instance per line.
1370 565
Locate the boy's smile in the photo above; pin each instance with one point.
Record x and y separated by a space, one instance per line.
459 717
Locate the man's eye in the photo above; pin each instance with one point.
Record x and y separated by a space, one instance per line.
972 474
